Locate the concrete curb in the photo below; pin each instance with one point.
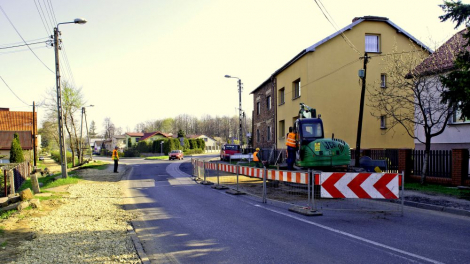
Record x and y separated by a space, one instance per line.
438 208
138 246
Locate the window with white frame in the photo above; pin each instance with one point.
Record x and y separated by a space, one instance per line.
268 102
383 122
269 133
372 43
383 80
296 89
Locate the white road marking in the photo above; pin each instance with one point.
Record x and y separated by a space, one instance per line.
352 236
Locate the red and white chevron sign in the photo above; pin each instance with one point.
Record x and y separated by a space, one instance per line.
360 185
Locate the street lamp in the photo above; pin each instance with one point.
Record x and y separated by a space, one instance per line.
81 133
240 133
63 153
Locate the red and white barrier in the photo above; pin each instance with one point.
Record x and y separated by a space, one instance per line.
360 185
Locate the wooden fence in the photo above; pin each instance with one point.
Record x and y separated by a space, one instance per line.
13 176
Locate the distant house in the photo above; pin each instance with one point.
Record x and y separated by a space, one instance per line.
457 133
211 144
135 137
12 122
119 141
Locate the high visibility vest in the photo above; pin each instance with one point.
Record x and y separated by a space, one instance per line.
115 155
291 140
255 156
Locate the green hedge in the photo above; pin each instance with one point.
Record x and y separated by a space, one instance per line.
193 151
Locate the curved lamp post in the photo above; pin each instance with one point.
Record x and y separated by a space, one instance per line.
63 153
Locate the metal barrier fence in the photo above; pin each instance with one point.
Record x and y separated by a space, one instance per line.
306 191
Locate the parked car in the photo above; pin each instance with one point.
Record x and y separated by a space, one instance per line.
176 154
228 150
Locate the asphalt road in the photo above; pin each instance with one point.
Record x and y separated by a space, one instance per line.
181 221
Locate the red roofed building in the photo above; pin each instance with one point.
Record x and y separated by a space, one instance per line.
12 122
135 137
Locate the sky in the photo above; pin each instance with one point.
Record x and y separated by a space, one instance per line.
138 61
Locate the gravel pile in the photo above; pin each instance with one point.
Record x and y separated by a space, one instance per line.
90 227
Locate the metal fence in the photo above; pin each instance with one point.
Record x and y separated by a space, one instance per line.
440 163
300 190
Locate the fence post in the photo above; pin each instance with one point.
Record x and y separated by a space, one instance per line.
218 174
238 172
264 184
402 191
309 188
12 181
5 181
204 170
459 166
404 162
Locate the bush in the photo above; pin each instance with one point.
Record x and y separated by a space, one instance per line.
144 146
192 143
131 152
186 144
193 151
201 144
55 154
16 152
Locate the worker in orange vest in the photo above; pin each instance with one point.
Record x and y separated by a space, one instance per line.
291 147
115 157
256 159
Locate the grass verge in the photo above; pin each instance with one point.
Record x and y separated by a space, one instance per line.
439 189
157 158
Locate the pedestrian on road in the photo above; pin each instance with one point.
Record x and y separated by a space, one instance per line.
257 159
291 147
115 157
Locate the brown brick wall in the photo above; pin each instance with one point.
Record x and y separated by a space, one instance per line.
266 117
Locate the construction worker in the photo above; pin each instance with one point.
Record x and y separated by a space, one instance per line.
115 157
291 147
256 159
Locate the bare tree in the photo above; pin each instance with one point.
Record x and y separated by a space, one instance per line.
109 128
410 97
72 101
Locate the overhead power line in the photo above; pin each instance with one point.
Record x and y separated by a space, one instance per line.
323 10
13 92
22 45
11 23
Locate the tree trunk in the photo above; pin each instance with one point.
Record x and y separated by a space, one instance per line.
424 170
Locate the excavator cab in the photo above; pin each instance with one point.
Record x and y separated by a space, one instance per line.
308 130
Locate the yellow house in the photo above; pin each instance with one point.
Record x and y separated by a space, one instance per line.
325 77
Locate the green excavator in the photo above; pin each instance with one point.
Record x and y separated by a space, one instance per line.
314 150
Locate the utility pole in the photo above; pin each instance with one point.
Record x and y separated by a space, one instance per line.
63 153
362 75
35 152
88 136
81 137
240 132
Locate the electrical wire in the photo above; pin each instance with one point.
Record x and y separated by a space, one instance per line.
350 44
21 42
27 44
62 50
42 19
22 50
11 23
13 92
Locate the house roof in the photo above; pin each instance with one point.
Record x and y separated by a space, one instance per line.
151 134
134 134
356 21
443 58
16 120
6 137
